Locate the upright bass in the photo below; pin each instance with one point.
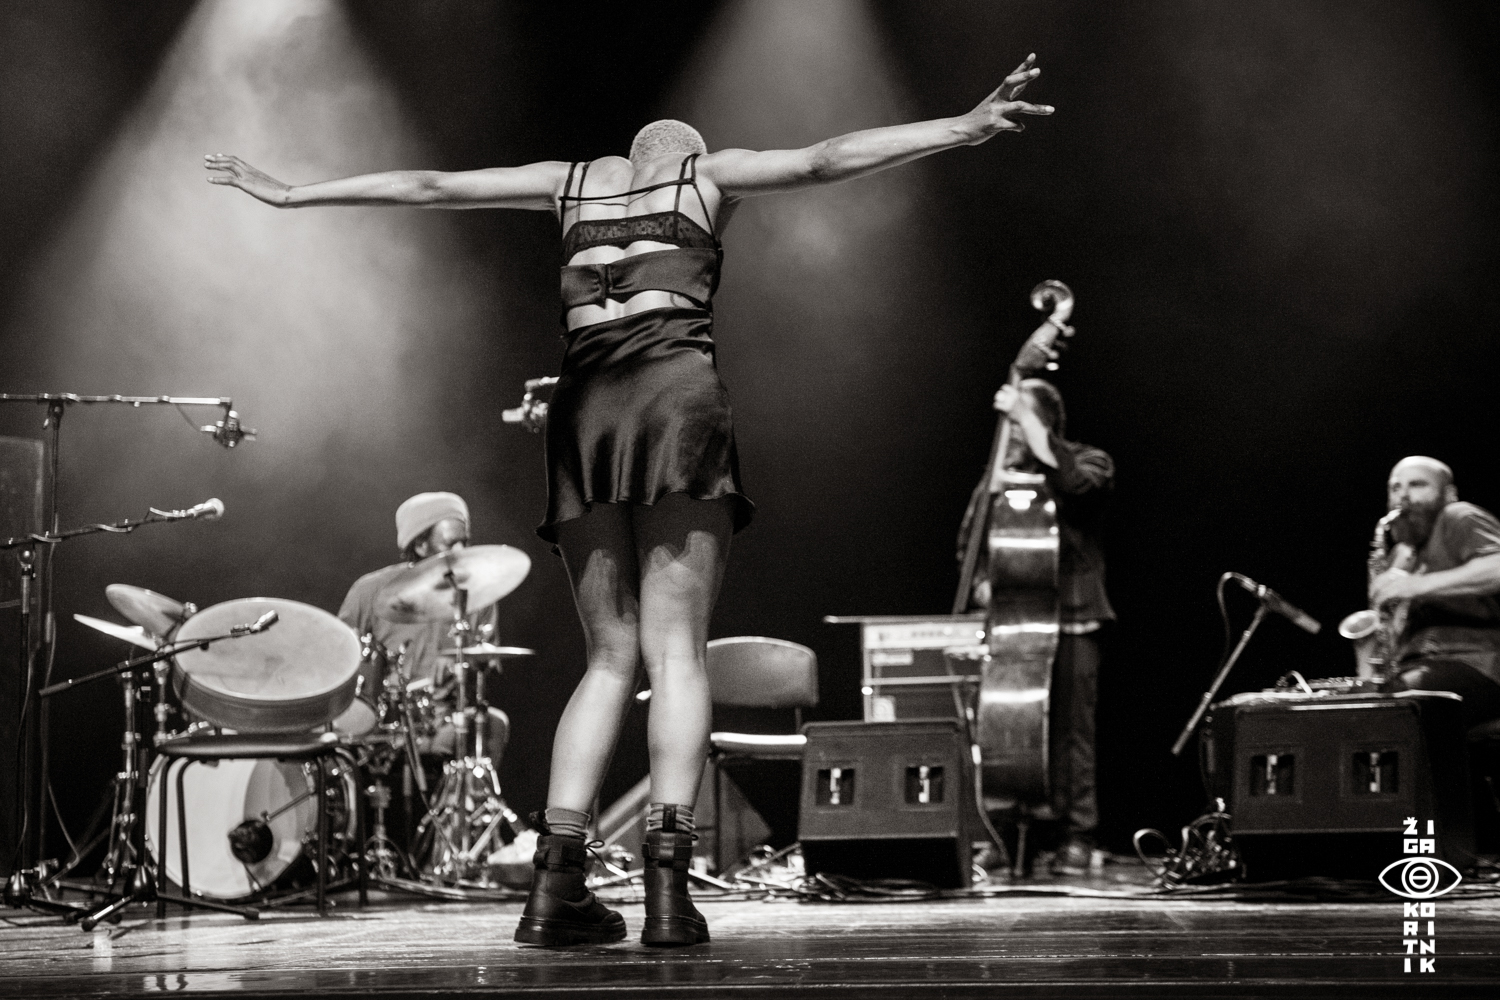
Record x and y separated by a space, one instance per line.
1017 523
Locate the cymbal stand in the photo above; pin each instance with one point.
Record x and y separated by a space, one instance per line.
131 874
468 818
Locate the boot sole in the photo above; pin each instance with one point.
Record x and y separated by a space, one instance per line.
673 932
560 934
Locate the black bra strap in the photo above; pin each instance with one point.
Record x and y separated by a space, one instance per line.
622 194
693 162
562 209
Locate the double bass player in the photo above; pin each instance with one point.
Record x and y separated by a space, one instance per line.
1080 478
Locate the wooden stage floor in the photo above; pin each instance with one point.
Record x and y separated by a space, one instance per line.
1095 938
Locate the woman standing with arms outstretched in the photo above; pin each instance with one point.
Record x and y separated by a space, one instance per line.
643 479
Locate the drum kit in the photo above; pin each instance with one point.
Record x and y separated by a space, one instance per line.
273 666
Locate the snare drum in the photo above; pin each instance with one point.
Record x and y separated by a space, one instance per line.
251 824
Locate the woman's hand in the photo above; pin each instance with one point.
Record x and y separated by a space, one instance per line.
231 170
992 113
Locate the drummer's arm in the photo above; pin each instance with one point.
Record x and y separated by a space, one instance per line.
350 611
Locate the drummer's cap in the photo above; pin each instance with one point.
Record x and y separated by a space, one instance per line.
418 513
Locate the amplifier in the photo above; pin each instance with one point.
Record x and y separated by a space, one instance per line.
1325 783
904 674
887 800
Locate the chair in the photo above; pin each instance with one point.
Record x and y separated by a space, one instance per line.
745 671
751 671
292 747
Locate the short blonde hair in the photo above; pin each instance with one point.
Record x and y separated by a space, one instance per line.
663 137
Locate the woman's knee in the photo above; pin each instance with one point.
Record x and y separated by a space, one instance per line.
618 658
675 665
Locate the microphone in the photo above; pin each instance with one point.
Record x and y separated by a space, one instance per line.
260 624
229 431
208 510
1280 605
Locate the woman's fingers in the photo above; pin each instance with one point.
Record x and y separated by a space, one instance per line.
1016 82
1029 109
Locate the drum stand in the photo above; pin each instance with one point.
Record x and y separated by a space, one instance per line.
468 819
127 864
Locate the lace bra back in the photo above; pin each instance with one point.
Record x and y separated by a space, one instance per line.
691 270
673 227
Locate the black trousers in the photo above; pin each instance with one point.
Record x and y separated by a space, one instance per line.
1480 694
1075 695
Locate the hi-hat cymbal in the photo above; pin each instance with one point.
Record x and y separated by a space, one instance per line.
424 593
156 613
490 649
133 634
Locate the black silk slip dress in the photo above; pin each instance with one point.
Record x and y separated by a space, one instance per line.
639 410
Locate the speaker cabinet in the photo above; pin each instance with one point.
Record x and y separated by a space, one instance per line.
1323 785
20 514
887 800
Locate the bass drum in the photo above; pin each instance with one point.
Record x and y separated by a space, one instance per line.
296 675
251 824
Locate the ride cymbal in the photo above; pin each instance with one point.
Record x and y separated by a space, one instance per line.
425 593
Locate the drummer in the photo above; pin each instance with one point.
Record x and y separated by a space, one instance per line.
427 524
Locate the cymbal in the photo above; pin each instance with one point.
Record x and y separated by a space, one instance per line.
133 634
156 613
423 593
490 649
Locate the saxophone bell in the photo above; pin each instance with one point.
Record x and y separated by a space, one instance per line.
1359 625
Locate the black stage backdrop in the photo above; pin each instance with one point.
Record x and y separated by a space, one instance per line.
1278 219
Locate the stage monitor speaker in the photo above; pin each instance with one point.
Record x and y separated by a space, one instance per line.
1324 785
887 800
20 514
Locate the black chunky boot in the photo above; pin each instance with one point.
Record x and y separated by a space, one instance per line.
671 918
561 910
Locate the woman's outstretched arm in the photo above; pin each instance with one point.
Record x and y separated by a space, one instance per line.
535 186
742 172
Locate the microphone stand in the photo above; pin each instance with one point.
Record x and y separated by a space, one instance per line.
35 665
1213 689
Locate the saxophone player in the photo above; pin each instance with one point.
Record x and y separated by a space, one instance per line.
1451 638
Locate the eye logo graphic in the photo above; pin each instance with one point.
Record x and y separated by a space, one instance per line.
1419 878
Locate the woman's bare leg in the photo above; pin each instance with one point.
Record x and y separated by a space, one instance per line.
599 551
682 545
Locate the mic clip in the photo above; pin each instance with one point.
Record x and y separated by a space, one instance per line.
229 432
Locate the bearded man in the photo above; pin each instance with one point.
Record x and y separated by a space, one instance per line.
1446 563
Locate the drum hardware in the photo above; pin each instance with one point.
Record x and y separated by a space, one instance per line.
467 819
128 868
27 885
